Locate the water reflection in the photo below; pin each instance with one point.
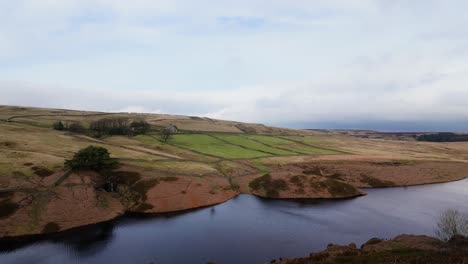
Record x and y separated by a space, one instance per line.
246 229
84 241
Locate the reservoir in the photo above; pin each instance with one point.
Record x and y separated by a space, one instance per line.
247 229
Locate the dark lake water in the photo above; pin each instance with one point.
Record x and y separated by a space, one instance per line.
248 229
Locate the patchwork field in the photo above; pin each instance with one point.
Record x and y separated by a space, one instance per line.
205 162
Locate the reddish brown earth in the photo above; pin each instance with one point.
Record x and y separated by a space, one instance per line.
79 200
402 249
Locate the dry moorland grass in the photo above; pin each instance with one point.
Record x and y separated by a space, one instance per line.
194 168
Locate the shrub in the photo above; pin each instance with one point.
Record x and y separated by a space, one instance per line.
271 187
59 126
42 171
7 209
373 182
51 228
338 188
73 127
126 177
296 180
143 207
140 127
260 182
93 158
8 144
76 128
451 222
142 187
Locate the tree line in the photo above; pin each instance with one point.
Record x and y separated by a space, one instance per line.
443 137
106 126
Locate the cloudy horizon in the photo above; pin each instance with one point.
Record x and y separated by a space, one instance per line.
399 65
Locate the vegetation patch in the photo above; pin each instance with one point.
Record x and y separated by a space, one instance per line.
260 182
142 187
297 180
261 167
42 171
7 208
51 228
101 201
118 126
340 189
443 137
8 144
40 201
169 179
126 177
246 129
313 171
300 191
225 167
373 182
143 207
93 158
18 174
393 163
271 187
234 185
6 195
335 176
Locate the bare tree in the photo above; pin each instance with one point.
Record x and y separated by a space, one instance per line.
452 222
167 132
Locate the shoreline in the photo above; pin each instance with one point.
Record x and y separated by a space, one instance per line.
30 238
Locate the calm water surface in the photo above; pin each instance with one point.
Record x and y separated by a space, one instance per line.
248 229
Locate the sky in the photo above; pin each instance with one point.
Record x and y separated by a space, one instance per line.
387 65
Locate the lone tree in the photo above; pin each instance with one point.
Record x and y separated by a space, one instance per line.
452 222
92 158
167 132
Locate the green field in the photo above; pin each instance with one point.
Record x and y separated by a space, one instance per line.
289 145
251 144
212 146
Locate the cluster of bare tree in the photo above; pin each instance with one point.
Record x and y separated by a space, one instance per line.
69 126
111 126
107 126
452 222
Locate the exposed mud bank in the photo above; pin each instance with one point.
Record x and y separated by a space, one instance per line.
79 200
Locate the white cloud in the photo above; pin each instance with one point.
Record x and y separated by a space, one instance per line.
261 61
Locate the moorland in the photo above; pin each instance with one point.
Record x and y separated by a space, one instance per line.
206 162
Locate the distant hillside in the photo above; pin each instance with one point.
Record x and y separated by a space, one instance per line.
443 137
45 117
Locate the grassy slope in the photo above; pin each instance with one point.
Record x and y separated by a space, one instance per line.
251 144
290 145
212 146
210 166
